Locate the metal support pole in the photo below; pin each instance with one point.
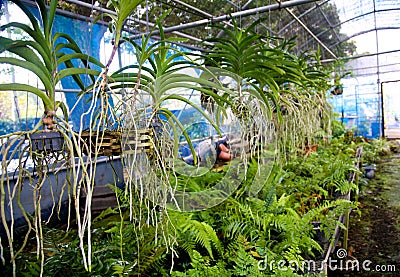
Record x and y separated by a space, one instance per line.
193 8
383 112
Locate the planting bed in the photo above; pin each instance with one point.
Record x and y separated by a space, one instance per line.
375 234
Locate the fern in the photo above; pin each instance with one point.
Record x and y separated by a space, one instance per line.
246 265
151 259
201 267
235 229
270 197
204 235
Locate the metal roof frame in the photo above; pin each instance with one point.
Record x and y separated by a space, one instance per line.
245 11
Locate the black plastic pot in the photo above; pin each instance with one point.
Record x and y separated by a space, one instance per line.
47 141
337 90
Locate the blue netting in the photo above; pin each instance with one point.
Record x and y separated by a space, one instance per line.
359 108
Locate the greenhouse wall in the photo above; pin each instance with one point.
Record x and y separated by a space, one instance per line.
369 103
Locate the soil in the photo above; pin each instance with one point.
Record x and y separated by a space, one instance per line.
374 234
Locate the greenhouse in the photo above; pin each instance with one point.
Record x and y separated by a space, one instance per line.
200 138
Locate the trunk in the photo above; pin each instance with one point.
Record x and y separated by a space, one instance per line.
48 120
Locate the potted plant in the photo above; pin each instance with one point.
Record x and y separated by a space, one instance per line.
42 54
149 129
337 89
273 87
104 137
50 56
157 74
339 73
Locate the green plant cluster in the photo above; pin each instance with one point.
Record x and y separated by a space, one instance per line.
319 176
273 94
234 238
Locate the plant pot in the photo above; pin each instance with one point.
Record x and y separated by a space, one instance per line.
337 90
47 141
312 148
320 236
308 149
370 171
107 143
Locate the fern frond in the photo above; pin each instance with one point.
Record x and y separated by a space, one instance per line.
152 260
204 235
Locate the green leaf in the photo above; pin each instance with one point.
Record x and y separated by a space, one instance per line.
38 71
23 50
169 116
48 104
33 20
75 71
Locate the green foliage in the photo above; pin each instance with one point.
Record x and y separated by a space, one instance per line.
375 149
263 67
246 265
197 234
338 128
202 267
158 74
42 53
250 228
227 240
195 183
319 176
329 216
140 237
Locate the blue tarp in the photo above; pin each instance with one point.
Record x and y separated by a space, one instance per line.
359 108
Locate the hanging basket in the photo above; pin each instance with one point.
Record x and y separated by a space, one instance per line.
107 143
139 141
337 90
47 141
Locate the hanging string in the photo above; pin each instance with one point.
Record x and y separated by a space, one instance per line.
37 103
147 16
239 8
257 17
269 18
209 27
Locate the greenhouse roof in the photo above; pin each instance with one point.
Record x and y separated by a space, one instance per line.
340 28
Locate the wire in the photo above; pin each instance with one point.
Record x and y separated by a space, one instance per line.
184 9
